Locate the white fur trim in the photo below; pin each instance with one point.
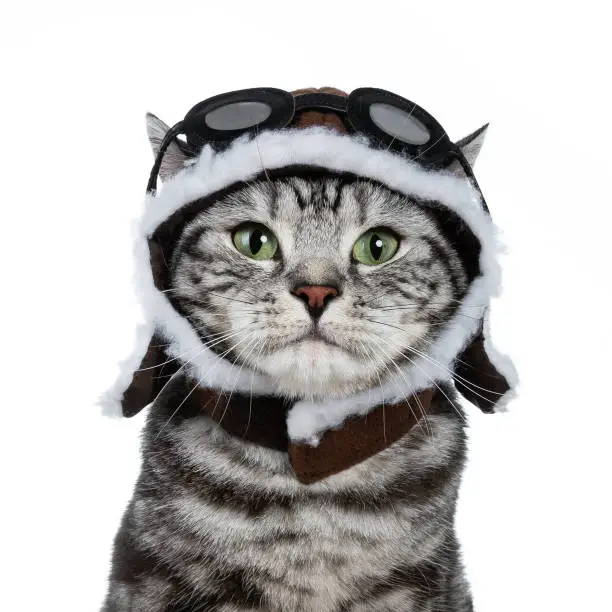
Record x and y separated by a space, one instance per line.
319 147
315 146
503 364
110 401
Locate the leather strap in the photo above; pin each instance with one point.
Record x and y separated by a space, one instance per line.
358 439
263 420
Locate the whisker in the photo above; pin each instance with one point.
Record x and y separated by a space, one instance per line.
435 315
381 348
438 303
187 363
233 387
418 307
465 381
243 290
461 415
261 160
429 147
251 389
205 345
225 336
254 341
199 381
163 362
391 143
391 374
194 299
375 359
439 365
366 354
225 297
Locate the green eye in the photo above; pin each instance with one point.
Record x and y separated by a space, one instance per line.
375 247
255 241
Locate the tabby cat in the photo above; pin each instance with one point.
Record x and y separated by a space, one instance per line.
219 523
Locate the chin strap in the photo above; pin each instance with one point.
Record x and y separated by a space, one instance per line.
262 420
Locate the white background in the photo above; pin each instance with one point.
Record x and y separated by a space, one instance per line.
76 80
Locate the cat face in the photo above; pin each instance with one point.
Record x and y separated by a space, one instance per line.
324 284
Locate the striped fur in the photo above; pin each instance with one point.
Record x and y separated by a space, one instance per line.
219 524
317 223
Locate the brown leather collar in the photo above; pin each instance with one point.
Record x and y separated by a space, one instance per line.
263 421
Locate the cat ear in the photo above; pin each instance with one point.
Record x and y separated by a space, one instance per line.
175 156
470 147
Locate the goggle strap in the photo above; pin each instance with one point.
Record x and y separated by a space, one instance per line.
171 134
320 101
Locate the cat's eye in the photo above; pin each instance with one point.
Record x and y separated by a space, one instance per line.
375 247
255 241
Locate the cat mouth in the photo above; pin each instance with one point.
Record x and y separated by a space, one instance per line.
315 335
312 336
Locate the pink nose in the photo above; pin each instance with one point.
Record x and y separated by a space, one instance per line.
316 295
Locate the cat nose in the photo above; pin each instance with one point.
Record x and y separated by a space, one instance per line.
316 297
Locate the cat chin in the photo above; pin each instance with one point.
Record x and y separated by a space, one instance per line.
316 369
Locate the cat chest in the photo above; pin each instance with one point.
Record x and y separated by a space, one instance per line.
310 556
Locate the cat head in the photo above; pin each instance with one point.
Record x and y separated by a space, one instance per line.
322 282
307 264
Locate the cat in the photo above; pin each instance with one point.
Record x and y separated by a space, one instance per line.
217 523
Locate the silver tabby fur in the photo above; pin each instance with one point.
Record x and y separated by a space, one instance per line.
218 524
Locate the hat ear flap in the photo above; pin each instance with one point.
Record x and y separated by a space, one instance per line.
479 380
144 387
142 377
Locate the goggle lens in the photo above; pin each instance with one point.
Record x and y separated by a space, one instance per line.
399 124
238 116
